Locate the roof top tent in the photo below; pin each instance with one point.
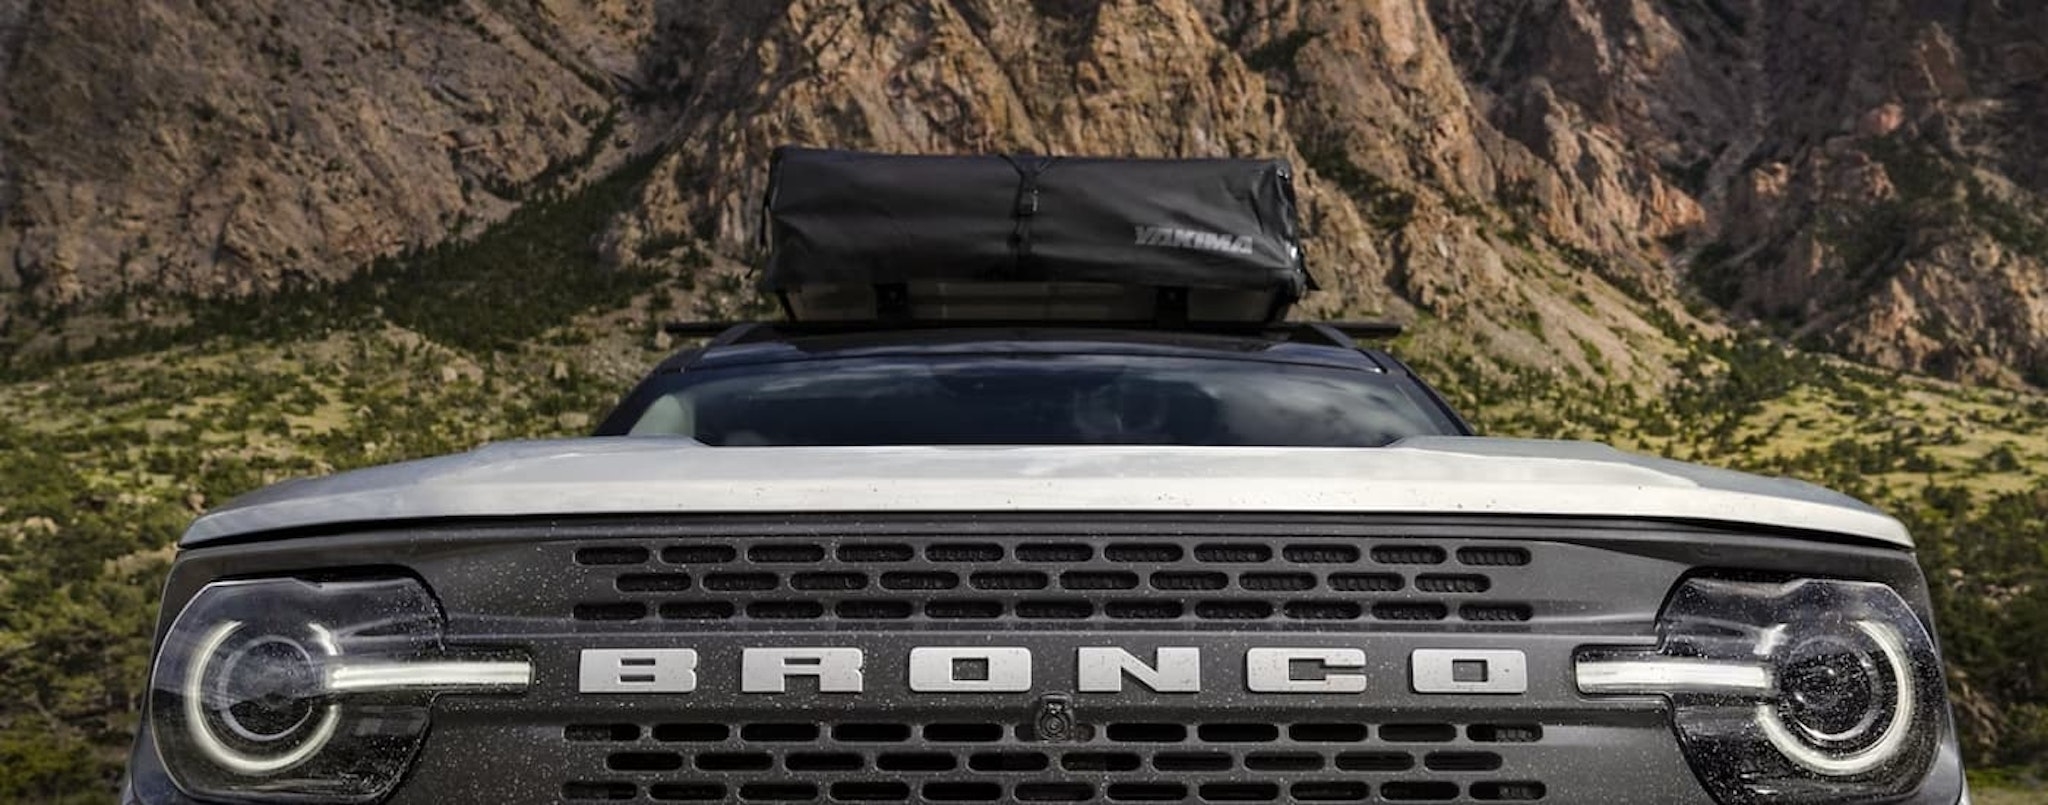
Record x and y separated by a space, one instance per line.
897 239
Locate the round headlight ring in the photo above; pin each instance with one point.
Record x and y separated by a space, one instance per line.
199 723
1892 648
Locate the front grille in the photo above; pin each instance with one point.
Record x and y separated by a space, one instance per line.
717 586
1235 761
1025 579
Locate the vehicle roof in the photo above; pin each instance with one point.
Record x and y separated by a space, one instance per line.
770 344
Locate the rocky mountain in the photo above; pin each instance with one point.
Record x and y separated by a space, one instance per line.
1860 176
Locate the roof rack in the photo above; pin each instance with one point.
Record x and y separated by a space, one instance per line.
1334 333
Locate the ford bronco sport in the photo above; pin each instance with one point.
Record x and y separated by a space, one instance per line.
1039 539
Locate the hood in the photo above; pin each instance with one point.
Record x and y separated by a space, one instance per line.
1424 475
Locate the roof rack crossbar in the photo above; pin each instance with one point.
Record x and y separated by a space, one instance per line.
1339 333
1365 329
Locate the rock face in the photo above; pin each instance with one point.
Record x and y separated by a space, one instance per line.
1862 176
194 146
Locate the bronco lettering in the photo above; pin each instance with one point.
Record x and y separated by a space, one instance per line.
1008 669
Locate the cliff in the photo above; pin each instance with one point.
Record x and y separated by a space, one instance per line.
1856 176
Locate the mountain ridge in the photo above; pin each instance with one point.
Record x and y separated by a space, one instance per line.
1535 174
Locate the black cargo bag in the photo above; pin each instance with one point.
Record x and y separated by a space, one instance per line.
854 235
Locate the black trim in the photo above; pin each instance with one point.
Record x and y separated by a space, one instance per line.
1336 333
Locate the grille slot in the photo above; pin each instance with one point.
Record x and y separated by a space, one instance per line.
871 733
874 610
1143 610
1098 580
786 552
1330 554
1495 613
1150 552
686 792
696 610
1493 556
735 761
1418 733
1100 761
876 552
1431 791
1240 792
955 761
738 582
915 761
1147 792
1408 555
1233 552
1008 580
927 580
829 581
1331 791
1452 583
863 791
1009 761
698 554
1461 761
779 733
1410 611
1233 610
1183 580
1055 792
1375 761
1519 791
964 552
1327 733
1055 610
1342 583
963 733
779 792
1055 552
644 761
823 761
653 583
1505 733
1191 761
962 792
1147 733
785 610
1277 582
1283 761
1371 583
693 733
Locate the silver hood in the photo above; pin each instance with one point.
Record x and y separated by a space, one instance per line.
1426 475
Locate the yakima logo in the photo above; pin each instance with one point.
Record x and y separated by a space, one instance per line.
1192 239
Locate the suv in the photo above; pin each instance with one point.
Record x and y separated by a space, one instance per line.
1201 566
1043 505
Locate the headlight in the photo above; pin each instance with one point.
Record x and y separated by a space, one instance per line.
1802 692
283 689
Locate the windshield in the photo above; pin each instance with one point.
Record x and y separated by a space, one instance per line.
1035 400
